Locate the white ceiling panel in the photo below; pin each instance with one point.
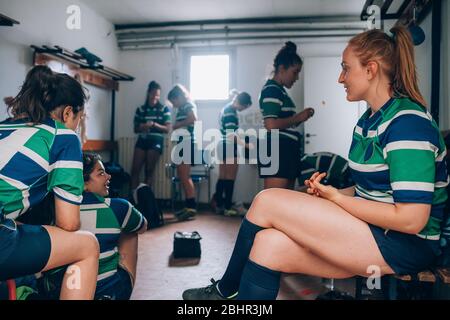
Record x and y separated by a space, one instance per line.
151 11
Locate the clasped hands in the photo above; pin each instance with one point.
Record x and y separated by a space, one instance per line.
316 188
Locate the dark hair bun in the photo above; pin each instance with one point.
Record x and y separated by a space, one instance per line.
290 47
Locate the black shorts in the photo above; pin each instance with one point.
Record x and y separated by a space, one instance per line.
405 253
226 150
25 249
149 144
288 164
117 287
191 157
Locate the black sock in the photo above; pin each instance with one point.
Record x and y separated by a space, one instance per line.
258 283
229 188
219 192
229 284
190 203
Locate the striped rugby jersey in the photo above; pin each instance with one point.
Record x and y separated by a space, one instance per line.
182 114
274 102
107 218
397 156
229 122
36 159
336 167
159 114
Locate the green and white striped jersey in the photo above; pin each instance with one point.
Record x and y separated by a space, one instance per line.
397 156
274 102
229 122
36 159
159 114
182 114
107 218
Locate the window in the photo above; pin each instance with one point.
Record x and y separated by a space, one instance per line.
210 77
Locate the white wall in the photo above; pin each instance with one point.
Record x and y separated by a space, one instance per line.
43 22
422 56
253 66
423 60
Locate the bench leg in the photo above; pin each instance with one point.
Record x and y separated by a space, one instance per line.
358 287
392 290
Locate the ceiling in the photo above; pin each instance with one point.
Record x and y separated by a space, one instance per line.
153 11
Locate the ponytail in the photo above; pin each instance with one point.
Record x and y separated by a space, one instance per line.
395 56
405 75
44 91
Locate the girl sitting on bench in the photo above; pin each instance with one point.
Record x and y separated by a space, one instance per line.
389 222
42 153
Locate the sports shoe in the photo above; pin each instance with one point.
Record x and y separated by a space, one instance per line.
185 214
206 293
239 207
230 213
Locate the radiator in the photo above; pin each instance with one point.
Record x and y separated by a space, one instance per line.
161 182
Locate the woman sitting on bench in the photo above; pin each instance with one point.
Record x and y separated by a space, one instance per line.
115 223
42 153
388 223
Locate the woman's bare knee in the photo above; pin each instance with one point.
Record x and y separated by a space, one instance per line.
262 204
89 246
268 255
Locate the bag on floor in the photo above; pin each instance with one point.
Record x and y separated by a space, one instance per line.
144 200
186 245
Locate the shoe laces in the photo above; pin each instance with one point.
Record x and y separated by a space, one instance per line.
212 286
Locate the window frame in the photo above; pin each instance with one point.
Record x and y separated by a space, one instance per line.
231 52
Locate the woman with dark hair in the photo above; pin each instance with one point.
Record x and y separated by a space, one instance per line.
151 122
228 153
116 224
279 113
41 153
185 149
389 222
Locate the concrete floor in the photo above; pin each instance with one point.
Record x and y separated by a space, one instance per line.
159 277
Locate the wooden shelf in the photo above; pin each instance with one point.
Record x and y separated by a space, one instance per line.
100 145
60 59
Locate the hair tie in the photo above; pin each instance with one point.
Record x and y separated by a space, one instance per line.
393 36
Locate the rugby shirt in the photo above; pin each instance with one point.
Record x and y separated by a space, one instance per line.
397 156
229 123
158 113
36 159
336 168
274 102
107 218
182 114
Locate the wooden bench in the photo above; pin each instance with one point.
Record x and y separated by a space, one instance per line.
420 286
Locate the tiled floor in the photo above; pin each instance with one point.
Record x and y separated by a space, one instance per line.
158 278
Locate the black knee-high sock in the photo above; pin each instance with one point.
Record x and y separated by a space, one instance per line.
229 188
258 283
191 203
229 284
220 186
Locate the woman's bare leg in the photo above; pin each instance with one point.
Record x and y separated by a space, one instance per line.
230 170
81 251
184 173
291 257
138 162
128 246
320 227
152 160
